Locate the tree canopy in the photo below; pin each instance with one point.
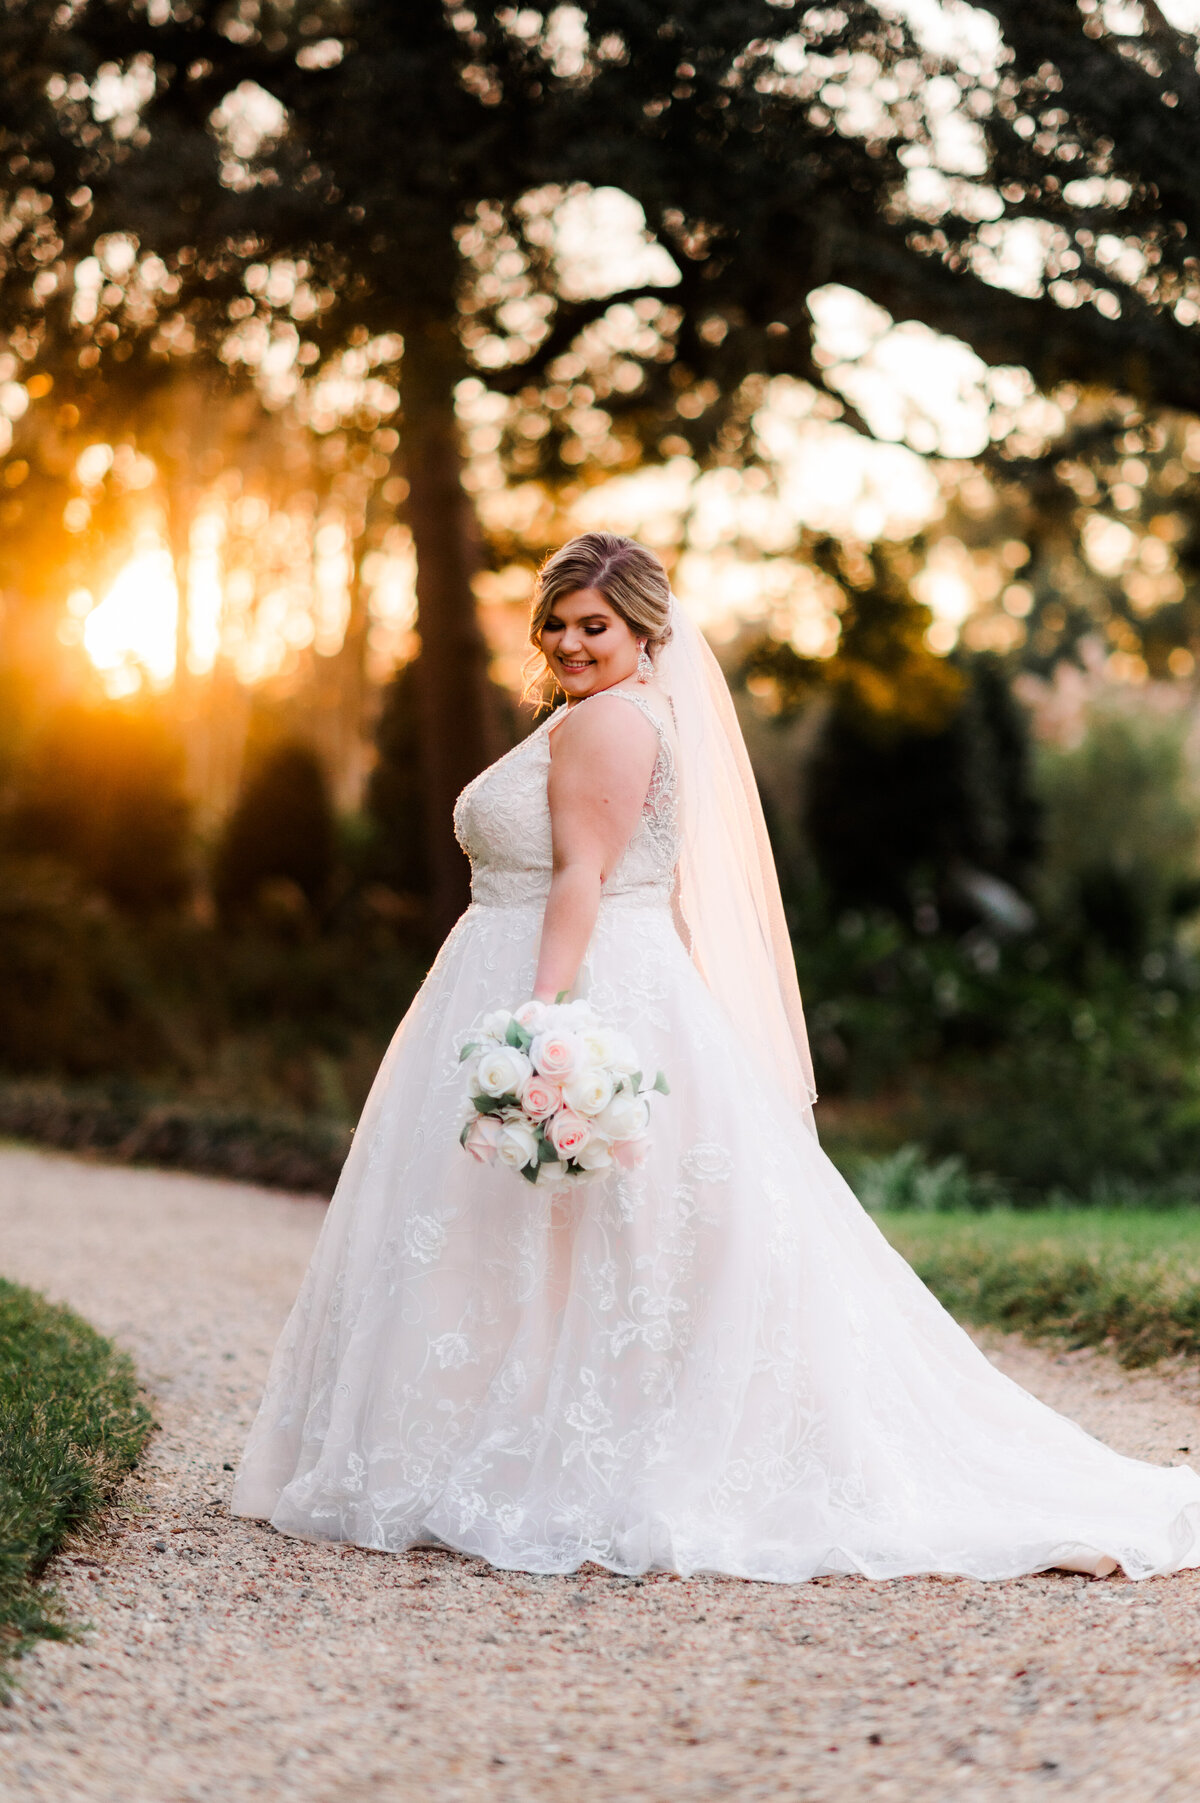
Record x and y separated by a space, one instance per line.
1025 186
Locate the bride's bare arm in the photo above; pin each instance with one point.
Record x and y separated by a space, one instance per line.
602 759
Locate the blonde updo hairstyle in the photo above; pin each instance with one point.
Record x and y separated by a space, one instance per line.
631 579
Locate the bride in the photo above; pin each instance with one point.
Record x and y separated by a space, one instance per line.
714 1362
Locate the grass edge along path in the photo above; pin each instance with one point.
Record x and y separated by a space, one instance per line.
1074 1276
72 1424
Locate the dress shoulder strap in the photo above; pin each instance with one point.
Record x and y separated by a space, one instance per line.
643 707
629 695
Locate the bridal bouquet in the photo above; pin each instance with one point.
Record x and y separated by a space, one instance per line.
554 1093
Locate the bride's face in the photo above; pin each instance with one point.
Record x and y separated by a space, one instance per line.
587 644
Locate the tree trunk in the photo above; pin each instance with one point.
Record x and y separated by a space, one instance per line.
459 730
351 723
183 439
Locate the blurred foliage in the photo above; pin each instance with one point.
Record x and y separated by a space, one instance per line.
883 676
262 1018
908 1181
216 222
297 196
78 995
1122 830
884 1000
101 790
1052 1046
907 814
394 850
1095 531
185 289
1026 1054
417 151
1010 1057
885 679
920 775
394 803
277 850
1028 1048
1082 1089
132 1122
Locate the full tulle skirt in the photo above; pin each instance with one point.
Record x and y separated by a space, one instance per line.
716 1363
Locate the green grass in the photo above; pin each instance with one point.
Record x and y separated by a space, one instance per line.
71 1426
1126 1279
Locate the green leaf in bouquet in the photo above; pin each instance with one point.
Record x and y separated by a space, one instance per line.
519 1037
636 1083
491 1104
545 1152
471 1046
561 996
530 1172
661 1084
462 1138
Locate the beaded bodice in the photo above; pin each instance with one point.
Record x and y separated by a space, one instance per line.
502 821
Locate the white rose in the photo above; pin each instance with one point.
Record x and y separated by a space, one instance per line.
531 1016
599 1044
518 1145
595 1156
580 1013
588 1091
502 1072
623 1056
626 1117
496 1024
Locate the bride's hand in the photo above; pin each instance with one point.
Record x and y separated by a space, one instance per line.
601 761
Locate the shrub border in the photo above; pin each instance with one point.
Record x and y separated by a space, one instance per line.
279 1151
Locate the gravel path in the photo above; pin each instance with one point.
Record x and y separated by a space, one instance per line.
227 1663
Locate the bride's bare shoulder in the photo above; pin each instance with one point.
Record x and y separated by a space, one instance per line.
604 731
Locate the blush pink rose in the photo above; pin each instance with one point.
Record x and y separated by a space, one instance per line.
555 1055
483 1138
531 1015
568 1133
630 1154
540 1097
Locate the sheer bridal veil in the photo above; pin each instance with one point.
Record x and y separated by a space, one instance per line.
728 887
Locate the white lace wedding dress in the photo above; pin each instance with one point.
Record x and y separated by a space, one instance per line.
716 1363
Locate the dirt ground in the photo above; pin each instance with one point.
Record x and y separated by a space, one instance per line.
224 1662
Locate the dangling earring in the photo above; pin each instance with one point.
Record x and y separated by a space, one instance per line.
645 668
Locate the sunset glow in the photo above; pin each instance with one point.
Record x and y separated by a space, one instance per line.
268 587
130 634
